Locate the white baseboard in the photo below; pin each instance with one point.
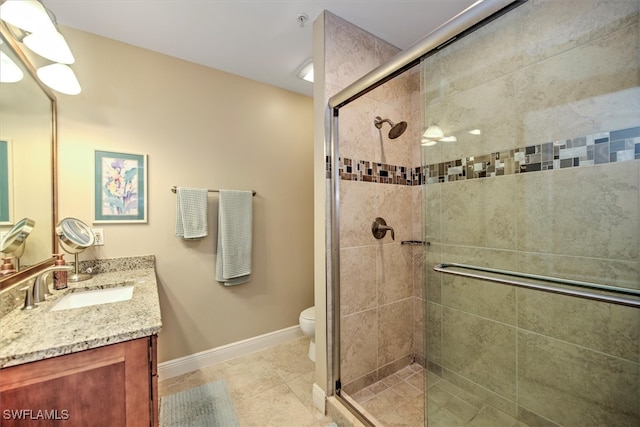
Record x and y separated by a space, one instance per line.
319 398
182 365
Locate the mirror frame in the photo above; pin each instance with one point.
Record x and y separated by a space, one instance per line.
10 280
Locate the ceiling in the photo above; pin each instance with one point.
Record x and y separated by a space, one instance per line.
261 40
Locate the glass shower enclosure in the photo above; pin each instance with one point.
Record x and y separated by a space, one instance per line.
533 217
511 295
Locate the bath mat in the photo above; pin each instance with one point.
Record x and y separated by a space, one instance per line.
208 405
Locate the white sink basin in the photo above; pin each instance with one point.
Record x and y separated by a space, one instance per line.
94 297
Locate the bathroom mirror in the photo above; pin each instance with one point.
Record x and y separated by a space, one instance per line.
75 236
28 124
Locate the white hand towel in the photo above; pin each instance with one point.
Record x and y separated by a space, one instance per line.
191 213
235 217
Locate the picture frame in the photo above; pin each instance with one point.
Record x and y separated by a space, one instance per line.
6 183
120 187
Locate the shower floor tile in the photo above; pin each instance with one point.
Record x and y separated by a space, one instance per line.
398 400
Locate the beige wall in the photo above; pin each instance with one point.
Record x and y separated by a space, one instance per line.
377 297
547 71
200 128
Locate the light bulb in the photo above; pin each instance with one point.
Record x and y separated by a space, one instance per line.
59 77
28 15
50 45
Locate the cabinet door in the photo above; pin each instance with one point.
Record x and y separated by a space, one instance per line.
155 399
106 386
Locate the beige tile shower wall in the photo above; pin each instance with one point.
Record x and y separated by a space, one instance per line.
378 294
588 215
522 85
377 281
572 70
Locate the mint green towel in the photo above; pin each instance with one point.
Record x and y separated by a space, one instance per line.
235 218
191 213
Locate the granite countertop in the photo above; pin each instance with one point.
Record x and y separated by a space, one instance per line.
31 335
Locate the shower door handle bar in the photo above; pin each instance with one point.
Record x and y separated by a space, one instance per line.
476 272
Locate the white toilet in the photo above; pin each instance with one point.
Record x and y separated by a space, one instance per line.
307 321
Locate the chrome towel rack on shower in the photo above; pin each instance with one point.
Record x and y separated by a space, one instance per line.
574 288
173 190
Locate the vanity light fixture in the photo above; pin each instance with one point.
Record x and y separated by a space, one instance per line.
41 36
306 73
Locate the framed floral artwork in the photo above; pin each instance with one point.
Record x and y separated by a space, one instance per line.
120 187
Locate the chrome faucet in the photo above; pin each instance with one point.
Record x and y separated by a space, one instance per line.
39 290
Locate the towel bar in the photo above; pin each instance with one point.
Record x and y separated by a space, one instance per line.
497 276
173 190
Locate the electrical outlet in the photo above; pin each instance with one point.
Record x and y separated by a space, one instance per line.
98 236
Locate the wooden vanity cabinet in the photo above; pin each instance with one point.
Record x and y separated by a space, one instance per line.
114 385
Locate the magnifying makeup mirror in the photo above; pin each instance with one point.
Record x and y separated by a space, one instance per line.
75 236
14 242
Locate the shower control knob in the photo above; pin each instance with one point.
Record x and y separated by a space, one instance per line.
379 229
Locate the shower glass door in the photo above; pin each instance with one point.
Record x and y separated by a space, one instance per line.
539 174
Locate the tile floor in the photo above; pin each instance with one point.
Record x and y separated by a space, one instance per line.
398 401
271 387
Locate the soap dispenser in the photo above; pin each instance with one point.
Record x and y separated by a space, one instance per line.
59 276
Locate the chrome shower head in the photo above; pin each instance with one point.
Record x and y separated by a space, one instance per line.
396 129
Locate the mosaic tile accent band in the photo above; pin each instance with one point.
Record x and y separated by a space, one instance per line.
605 147
362 170
600 148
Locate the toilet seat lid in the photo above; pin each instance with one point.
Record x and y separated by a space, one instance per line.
309 313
